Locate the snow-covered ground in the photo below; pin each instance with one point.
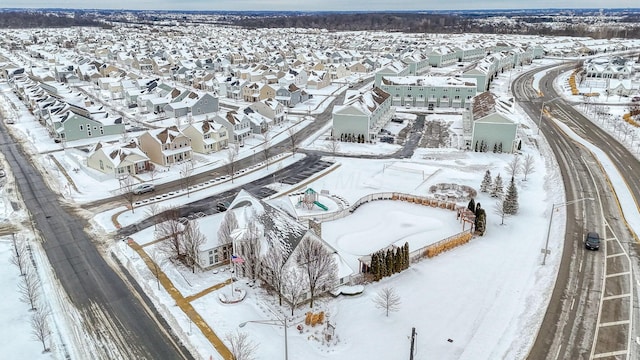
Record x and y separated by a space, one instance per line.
473 302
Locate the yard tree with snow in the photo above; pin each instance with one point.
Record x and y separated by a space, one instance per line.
227 226
127 183
232 155
274 265
497 189
511 198
388 300
514 166
168 233
294 287
528 166
318 264
241 346
250 249
40 326
192 239
485 186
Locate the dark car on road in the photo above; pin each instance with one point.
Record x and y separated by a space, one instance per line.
592 241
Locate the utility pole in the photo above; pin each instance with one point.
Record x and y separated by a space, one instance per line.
413 339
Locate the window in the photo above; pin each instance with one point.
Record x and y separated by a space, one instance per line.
81 127
210 260
101 163
101 130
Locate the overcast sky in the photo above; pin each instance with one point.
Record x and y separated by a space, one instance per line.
314 5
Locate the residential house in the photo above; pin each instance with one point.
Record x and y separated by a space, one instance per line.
278 231
118 159
291 95
270 109
207 136
490 124
362 114
318 80
166 146
237 124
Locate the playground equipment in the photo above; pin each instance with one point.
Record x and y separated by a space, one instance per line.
309 199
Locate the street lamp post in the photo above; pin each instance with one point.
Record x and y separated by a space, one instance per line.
277 322
542 111
553 208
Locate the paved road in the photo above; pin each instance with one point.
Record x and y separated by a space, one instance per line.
589 312
114 313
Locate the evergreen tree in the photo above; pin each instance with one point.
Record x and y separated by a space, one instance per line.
478 207
476 147
389 259
375 269
397 260
520 145
472 205
481 221
406 255
495 148
500 148
481 145
486 182
497 190
511 199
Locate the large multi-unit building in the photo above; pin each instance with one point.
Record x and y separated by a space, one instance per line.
429 91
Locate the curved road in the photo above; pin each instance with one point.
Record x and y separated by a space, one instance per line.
589 314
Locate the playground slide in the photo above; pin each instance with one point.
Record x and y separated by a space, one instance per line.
321 206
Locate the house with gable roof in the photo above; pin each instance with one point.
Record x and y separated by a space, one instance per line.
291 95
488 123
118 159
166 146
278 231
237 125
207 136
362 114
270 109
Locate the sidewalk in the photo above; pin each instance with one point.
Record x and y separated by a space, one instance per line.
184 303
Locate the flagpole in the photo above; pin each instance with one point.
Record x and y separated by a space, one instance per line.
231 266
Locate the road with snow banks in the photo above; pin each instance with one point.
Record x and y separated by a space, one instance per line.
116 319
591 311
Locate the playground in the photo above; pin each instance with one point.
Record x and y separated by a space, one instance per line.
311 202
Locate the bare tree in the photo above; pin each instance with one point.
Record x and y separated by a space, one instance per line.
333 146
40 327
250 249
153 209
228 224
193 238
30 288
528 166
500 210
293 137
19 256
387 300
266 148
127 184
153 172
186 169
168 231
273 263
232 156
318 263
241 347
513 167
158 260
293 287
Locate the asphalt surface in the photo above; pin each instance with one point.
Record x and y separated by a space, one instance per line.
114 316
589 314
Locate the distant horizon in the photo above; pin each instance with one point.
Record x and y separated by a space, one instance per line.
320 6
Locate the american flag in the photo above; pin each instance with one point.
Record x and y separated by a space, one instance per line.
237 259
